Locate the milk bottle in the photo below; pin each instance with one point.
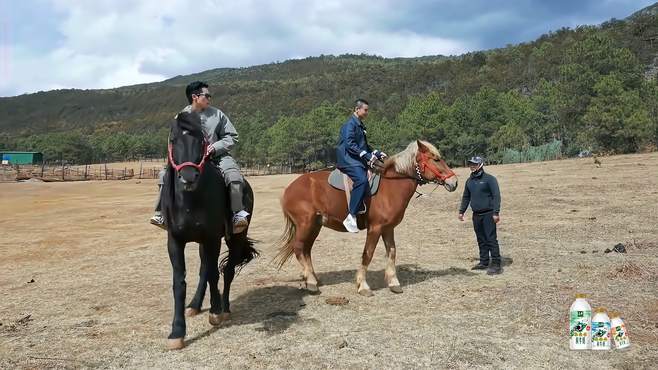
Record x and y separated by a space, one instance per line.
580 320
618 331
601 330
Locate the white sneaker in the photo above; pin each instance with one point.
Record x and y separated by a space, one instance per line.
158 221
350 224
240 222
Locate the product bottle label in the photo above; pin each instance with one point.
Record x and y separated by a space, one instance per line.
579 326
619 335
600 334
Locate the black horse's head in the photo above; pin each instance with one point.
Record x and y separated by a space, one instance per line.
187 149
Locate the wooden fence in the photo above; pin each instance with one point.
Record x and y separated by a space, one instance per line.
77 173
50 173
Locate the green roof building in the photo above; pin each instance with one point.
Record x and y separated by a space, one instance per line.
21 157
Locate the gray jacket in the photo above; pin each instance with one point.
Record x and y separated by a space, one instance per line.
219 130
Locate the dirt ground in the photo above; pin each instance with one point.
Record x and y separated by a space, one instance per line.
85 281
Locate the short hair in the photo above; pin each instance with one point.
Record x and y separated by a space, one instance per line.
360 103
194 88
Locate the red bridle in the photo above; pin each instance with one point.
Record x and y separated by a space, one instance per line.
424 163
179 167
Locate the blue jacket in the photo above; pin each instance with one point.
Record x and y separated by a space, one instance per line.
482 192
351 144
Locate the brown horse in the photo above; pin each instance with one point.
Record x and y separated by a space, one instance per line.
310 202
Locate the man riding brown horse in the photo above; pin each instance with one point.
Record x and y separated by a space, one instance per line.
310 202
353 156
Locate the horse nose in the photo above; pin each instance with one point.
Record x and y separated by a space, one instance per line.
452 185
188 176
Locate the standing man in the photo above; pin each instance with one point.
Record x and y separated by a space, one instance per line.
353 156
222 137
482 192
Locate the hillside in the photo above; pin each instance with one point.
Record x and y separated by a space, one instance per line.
556 76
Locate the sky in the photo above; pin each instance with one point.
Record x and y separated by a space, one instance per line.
89 44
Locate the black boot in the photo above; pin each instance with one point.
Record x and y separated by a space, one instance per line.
240 220
481 266
495 268
235 190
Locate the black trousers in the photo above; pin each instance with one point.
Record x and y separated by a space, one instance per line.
485 231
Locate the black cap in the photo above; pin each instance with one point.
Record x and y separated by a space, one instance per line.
476 160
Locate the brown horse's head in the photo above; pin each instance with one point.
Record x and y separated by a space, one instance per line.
432 167
421 160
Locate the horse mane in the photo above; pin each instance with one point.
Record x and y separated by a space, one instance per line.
188 121
405 161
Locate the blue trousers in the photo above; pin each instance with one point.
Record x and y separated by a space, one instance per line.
360 189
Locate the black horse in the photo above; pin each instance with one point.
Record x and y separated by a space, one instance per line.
195 207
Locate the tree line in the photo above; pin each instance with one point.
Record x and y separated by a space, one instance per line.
591 89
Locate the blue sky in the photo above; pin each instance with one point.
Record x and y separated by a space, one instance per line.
51 44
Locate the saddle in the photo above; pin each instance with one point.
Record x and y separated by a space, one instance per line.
341 181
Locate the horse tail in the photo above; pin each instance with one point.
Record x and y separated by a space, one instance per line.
286 249
240 252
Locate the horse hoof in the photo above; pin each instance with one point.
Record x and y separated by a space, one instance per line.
395 289
191 312
215 319
218 319
174 344
366 292
312 288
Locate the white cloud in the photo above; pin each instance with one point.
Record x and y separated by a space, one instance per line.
109 43
112 43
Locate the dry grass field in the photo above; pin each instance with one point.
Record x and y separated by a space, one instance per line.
85 281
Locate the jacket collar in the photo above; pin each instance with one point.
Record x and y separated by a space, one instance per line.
477 174
358 121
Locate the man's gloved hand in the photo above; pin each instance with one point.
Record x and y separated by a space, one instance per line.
373 161
376 164
380 155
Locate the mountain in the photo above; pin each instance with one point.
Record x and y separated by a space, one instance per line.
295 88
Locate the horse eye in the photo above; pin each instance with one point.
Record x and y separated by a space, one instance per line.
185 132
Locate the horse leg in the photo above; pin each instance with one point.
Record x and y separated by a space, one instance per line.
312 281
305 235
390 275
368 251
229 272
194 308
176 251
240 252
211 255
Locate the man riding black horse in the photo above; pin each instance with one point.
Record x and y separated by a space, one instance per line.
221 137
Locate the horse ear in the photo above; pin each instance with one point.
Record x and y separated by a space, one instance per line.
421 147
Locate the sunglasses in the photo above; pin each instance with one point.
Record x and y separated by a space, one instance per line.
208 96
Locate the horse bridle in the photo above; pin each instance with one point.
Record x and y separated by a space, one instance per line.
199 166
424 164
